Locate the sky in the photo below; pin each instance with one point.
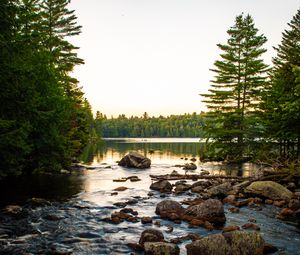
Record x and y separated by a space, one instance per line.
154 56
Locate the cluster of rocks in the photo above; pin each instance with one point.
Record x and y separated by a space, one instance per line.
207 211
132 178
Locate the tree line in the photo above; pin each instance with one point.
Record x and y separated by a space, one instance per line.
45 120
254 109
187 125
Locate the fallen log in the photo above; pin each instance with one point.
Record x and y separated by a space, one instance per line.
197 176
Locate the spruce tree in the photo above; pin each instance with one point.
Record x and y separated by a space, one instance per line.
282 102
235 90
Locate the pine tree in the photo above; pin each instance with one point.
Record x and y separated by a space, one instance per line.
282 102
235 91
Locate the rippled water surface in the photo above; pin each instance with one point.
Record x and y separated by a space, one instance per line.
75 219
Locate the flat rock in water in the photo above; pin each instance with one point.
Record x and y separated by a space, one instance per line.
269 189
162 186
235 242
135 160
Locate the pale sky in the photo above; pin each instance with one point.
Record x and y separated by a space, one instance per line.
154 55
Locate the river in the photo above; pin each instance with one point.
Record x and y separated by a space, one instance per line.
74 220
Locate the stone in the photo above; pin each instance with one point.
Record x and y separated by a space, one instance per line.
220 190
285 213
167 208
234 210
197 189
162 186
235 242
146 220
279 203
135 160
251 226
294 204
269 189
161 248
203 184
269 201
269 248
13 210
196 222
39 201
211 210
151 235
174 173
204 172
189 166
135 246
230 228
230 199
207 225
120 188
182 188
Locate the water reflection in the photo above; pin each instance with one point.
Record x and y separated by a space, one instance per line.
162 151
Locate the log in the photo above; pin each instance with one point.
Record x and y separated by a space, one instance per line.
197 176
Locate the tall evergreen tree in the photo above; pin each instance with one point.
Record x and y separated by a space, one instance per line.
235 91
282 102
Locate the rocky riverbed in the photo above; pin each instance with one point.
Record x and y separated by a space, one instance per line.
117 210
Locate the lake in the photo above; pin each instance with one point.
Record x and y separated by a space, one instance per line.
75 220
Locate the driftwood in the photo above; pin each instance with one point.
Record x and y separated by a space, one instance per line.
196 176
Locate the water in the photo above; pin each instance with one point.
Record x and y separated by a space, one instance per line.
75 219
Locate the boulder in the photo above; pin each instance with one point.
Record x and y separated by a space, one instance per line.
135 160
190 166
151 235
220 190
160 248
182 188
211 210
162 186
269 189
235 242
169 209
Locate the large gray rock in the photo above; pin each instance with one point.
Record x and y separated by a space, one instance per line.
211 210
161 248
220 190
135 160
235 243
269 189
162 186
168 207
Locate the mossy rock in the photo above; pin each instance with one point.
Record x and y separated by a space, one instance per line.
160 248
269 189
234 243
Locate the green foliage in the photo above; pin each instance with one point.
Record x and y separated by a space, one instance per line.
235 92
188 125
282 100
44 119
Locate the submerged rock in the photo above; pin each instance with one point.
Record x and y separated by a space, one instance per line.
135 160
190 166
235 242
161 248
162 186
269 189
151 235
211 210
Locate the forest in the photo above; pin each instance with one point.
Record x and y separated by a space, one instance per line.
45 120
187 125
